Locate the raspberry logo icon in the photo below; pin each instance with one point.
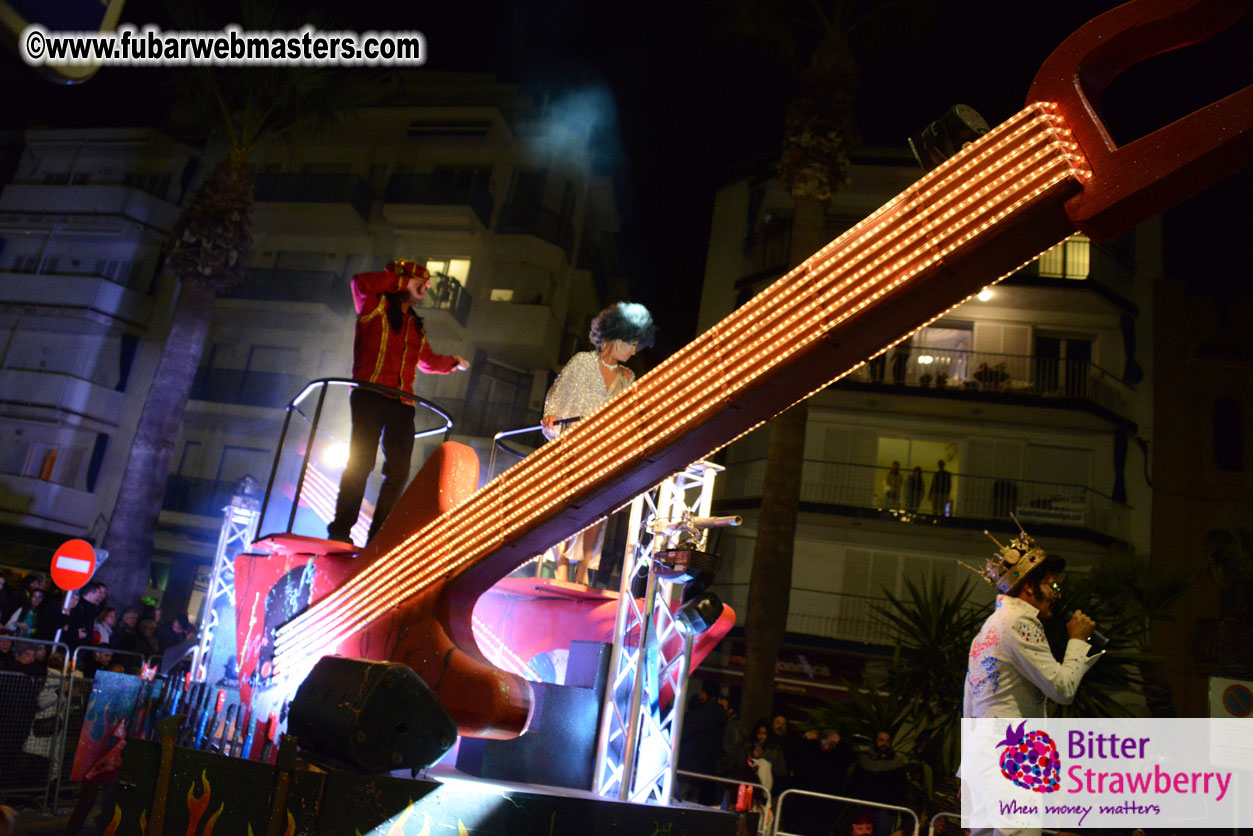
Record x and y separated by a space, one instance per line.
1030 759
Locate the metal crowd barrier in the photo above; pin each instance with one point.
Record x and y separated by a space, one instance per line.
845 799
763 823
957 817
31 732
75 709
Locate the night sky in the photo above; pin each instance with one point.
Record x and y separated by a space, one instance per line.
692 99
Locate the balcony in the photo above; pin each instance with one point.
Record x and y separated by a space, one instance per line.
276 285
90 199
486 418
527 334
832 615
766 252
62 392
429 200
1020 379
206 497
47 505
96 297
447 294
245 387
860 490
545 224
324 201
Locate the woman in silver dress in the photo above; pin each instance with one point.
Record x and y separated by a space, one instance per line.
589 380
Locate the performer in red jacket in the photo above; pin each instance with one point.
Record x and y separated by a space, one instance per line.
389 348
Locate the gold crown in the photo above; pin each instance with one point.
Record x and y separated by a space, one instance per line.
1011 564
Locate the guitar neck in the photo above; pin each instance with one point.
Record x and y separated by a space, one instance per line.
976 218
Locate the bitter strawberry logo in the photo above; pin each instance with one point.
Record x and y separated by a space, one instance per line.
1030 759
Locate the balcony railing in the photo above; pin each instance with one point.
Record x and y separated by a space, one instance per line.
206 497
521 219
972 497
485 418
99 295
277 285
957 372
314 188
833 615
447 294
245 387
440 191
768 249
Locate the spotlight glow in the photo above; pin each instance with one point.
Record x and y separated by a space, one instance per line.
984 295
336 455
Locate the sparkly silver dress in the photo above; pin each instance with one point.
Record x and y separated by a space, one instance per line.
580 388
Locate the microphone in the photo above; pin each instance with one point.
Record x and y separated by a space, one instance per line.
1098 639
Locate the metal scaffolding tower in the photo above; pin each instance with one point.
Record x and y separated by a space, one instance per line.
637 746
239 530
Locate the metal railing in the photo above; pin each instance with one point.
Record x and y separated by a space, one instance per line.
32 729
276 284
447 294
191 495
970 496
528 219
763 824
835 615
245 387
499 445
783 796
769 248
438 190
297 407
957 371
957 817
311 187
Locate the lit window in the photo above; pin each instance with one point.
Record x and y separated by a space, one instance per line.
1068 260
457 268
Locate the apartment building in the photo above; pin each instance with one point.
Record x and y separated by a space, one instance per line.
495 195
1031 398
84 309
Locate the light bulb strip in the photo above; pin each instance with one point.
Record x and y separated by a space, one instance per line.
1004 177
791 326
600 460
723 372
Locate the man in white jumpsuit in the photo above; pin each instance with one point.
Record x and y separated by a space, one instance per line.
1012 671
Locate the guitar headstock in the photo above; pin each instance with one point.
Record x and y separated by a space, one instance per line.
1137 180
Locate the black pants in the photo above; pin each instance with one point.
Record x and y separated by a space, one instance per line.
373 415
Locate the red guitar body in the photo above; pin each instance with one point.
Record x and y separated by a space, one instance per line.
525 617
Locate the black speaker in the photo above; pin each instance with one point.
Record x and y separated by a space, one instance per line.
371 716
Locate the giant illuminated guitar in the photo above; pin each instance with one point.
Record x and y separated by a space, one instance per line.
1028 184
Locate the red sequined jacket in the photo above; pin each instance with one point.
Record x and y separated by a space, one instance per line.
380 354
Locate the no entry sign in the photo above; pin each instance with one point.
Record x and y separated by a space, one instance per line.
73 564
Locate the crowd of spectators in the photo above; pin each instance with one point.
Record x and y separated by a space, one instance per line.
32 608
771 753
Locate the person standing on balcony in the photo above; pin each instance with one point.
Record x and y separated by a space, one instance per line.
586 382
941 487
914 488
892 484
389 348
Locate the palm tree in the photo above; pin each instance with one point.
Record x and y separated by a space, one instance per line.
209 247
813 166
1231 565
931 629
